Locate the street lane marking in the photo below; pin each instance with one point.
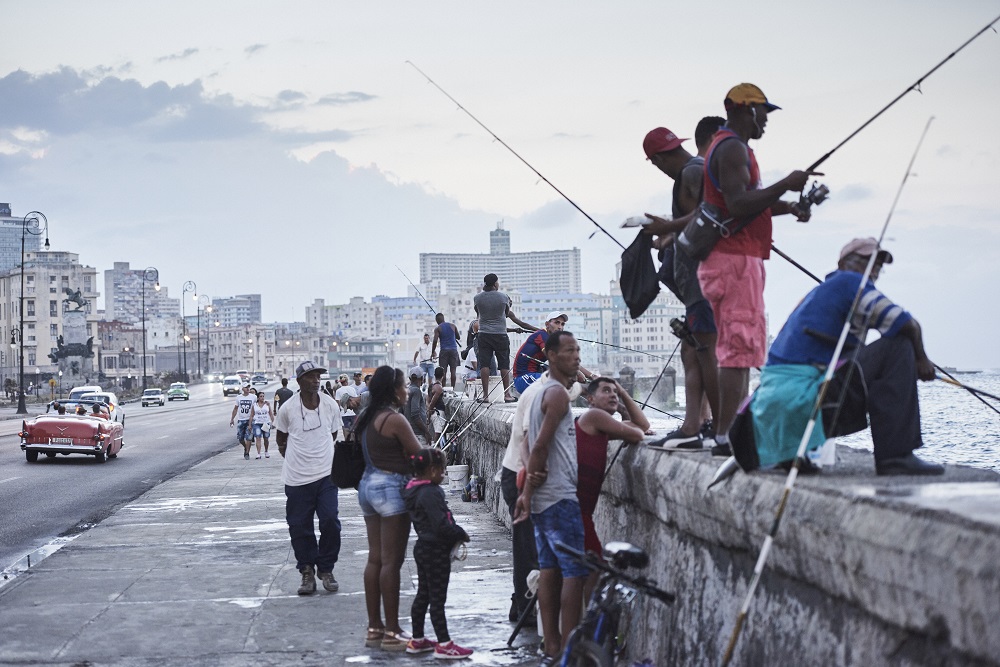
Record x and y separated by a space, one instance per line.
9 479
162 437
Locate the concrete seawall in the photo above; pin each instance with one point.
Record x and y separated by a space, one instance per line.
864 571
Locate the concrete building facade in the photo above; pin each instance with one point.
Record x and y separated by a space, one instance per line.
123 296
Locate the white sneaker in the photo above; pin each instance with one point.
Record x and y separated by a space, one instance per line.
267 455
258 457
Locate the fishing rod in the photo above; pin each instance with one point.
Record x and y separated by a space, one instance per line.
793 471
480 409
619 347
504 144
646 402
975 392
915 86
417 290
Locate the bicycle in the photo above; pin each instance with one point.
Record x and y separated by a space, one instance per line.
602 634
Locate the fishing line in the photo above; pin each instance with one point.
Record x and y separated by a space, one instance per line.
793 472
504 144
417 290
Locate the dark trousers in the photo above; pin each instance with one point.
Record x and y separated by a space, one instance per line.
885 391
302 503
433 572
524 550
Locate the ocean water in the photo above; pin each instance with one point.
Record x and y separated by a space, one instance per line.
957 428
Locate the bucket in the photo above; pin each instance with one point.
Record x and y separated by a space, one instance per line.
458 477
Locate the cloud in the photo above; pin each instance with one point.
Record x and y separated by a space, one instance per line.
254 48
341 99
568 135
853 192
183 55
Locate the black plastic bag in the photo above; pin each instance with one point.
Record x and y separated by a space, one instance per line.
348 464
639 281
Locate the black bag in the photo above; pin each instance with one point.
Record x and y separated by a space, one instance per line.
704 231
638 280
348 464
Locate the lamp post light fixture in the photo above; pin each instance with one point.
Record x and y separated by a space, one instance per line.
189 286
152 275
208 308
60 385
35 224
38 379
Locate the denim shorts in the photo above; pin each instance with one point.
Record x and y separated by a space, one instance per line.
243 430
258 431
561 523
381 493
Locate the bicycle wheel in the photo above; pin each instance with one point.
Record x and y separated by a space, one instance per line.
585 653
622 625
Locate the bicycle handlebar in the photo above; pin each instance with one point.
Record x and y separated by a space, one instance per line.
592 561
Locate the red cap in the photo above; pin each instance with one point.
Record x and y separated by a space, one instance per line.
659 140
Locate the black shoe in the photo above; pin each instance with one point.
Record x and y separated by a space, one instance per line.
707 429
680 440
514 612
722 449
907 465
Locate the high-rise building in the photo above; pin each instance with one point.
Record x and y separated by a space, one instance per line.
123 298
235 311
539 271
11 231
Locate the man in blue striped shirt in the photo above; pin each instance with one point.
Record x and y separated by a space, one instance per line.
883 388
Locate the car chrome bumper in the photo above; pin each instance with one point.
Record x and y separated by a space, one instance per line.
62 449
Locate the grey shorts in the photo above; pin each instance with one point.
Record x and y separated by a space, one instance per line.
498 344
448 359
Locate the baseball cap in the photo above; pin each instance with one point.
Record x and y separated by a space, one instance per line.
747 93
307 367
416 371
357 374
865 247
246 384
554 314
660 139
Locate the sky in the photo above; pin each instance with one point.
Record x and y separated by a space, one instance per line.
287 148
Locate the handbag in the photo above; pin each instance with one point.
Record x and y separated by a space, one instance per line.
701 234
348 464
638 280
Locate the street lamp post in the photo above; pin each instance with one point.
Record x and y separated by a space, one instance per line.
198 298
189 286
38 378
35 224
151 274
60 385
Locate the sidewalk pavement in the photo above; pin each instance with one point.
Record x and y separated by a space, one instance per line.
200 571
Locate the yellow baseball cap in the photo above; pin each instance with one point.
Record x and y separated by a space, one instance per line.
747 93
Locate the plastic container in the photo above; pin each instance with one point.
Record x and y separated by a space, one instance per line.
458 477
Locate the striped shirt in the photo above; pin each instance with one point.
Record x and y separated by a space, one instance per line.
811 332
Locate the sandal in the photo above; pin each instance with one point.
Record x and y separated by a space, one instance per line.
374 637
395 641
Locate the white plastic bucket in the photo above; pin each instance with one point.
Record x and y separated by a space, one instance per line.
458 477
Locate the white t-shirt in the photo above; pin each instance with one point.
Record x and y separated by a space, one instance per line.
262 413
470 364
424 353
309 454
244 403
346 391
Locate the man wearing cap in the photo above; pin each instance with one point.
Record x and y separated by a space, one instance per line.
344 393
415 409
493 308
882 385
732 276
306 426
447 333
530 361
680 273
241 417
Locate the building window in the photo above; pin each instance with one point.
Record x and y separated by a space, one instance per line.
31 307
31 358
54 330
53 308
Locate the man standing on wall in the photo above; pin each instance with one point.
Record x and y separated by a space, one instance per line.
493 308
447 333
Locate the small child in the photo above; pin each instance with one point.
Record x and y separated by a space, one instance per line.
437 534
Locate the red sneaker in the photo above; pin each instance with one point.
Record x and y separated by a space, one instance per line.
422 645
451 651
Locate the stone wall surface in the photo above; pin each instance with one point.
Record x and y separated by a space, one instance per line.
864 570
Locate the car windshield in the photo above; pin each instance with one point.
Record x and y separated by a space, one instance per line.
151 392
178 385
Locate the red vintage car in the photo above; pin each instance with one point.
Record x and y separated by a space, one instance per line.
92 433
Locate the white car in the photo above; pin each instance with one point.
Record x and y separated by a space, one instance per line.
117 414
78 392
152 397
231 384
258 380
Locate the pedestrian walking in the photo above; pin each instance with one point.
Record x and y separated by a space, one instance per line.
282 395
306 426
241 417
387 442
437 535
447 333
260 417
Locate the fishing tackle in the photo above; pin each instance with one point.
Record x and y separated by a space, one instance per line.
817 194
793 472
417 290
679 328
504 144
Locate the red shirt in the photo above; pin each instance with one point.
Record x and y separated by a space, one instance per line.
591 459
753 240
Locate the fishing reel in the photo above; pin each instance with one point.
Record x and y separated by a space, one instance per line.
817 194
679 328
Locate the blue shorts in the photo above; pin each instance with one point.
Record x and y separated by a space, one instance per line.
381 493
700 318
561 523
258 431
521 382
243 430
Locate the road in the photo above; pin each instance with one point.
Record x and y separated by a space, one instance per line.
67 494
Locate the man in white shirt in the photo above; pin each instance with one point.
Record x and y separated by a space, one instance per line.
241 417
344 392
306 425
424 356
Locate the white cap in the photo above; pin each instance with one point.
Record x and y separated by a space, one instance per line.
556 314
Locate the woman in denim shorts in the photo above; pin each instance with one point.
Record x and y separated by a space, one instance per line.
388 442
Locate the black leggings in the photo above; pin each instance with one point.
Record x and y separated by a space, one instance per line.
433 571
